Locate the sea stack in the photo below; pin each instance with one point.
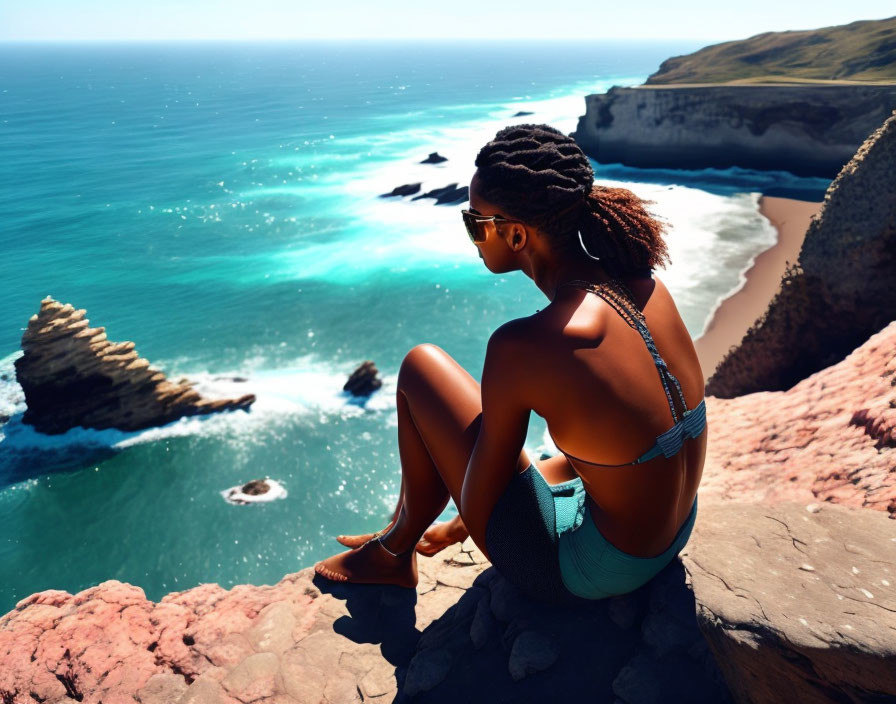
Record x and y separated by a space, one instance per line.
72 375
363 381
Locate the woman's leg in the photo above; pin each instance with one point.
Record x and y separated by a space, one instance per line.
353 541
435 538
439 536
439 414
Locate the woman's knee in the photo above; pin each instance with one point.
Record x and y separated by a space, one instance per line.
419 359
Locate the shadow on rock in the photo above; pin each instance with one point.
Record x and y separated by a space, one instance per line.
496 644
378 613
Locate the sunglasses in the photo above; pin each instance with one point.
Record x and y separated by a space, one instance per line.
473 222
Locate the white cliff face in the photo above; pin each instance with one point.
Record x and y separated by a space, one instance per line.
808 130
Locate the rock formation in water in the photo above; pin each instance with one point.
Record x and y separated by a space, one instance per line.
434 158
446 195
363 381
255 491
810 130
72 375
841 290
406 189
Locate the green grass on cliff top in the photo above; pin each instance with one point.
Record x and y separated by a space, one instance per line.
859 52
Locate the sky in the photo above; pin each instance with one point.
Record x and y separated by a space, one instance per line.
718 20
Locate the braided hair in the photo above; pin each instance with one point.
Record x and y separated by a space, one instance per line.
540 176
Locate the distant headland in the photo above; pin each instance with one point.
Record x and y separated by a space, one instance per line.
801 102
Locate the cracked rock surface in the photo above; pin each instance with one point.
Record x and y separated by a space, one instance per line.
72 375
797 599
464 633
829 438
786 597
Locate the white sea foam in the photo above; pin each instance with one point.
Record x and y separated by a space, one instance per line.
711 237
400 234
308 392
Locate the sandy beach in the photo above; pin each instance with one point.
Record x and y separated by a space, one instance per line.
735 314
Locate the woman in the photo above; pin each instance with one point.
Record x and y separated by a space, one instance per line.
597 364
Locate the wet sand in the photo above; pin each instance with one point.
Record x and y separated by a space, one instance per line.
735 314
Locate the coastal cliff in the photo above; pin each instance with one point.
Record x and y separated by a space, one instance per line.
797 101
808 130
842 288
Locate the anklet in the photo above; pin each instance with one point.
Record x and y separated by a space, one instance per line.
379 539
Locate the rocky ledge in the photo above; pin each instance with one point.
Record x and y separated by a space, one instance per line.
784 598
830 437
72 375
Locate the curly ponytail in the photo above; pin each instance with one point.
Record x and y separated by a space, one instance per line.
622 233
539 175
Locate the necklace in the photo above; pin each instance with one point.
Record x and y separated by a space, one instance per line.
617 294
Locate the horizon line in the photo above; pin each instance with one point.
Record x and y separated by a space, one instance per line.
490 40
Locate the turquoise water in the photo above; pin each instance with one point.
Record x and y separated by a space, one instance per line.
217 204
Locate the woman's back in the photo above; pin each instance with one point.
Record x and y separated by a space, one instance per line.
599 390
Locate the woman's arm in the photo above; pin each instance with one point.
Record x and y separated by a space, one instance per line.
504 422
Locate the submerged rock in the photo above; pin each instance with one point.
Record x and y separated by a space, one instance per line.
256 487
72 375
404 190
363 381
447 194
255 491
434 158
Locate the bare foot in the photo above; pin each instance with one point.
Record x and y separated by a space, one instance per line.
356 541
370 564
440 535
436 538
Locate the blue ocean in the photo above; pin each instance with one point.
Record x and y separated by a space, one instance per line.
218 204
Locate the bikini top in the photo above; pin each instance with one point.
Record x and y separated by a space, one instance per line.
693 420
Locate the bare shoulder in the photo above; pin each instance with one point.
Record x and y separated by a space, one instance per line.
518 344
655 297
512 335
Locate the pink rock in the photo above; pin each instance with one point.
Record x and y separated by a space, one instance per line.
811 442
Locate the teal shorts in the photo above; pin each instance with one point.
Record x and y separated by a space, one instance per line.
590 565
542 538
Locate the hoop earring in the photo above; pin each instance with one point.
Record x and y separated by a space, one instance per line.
583 247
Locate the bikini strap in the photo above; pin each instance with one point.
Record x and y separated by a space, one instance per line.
618 295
